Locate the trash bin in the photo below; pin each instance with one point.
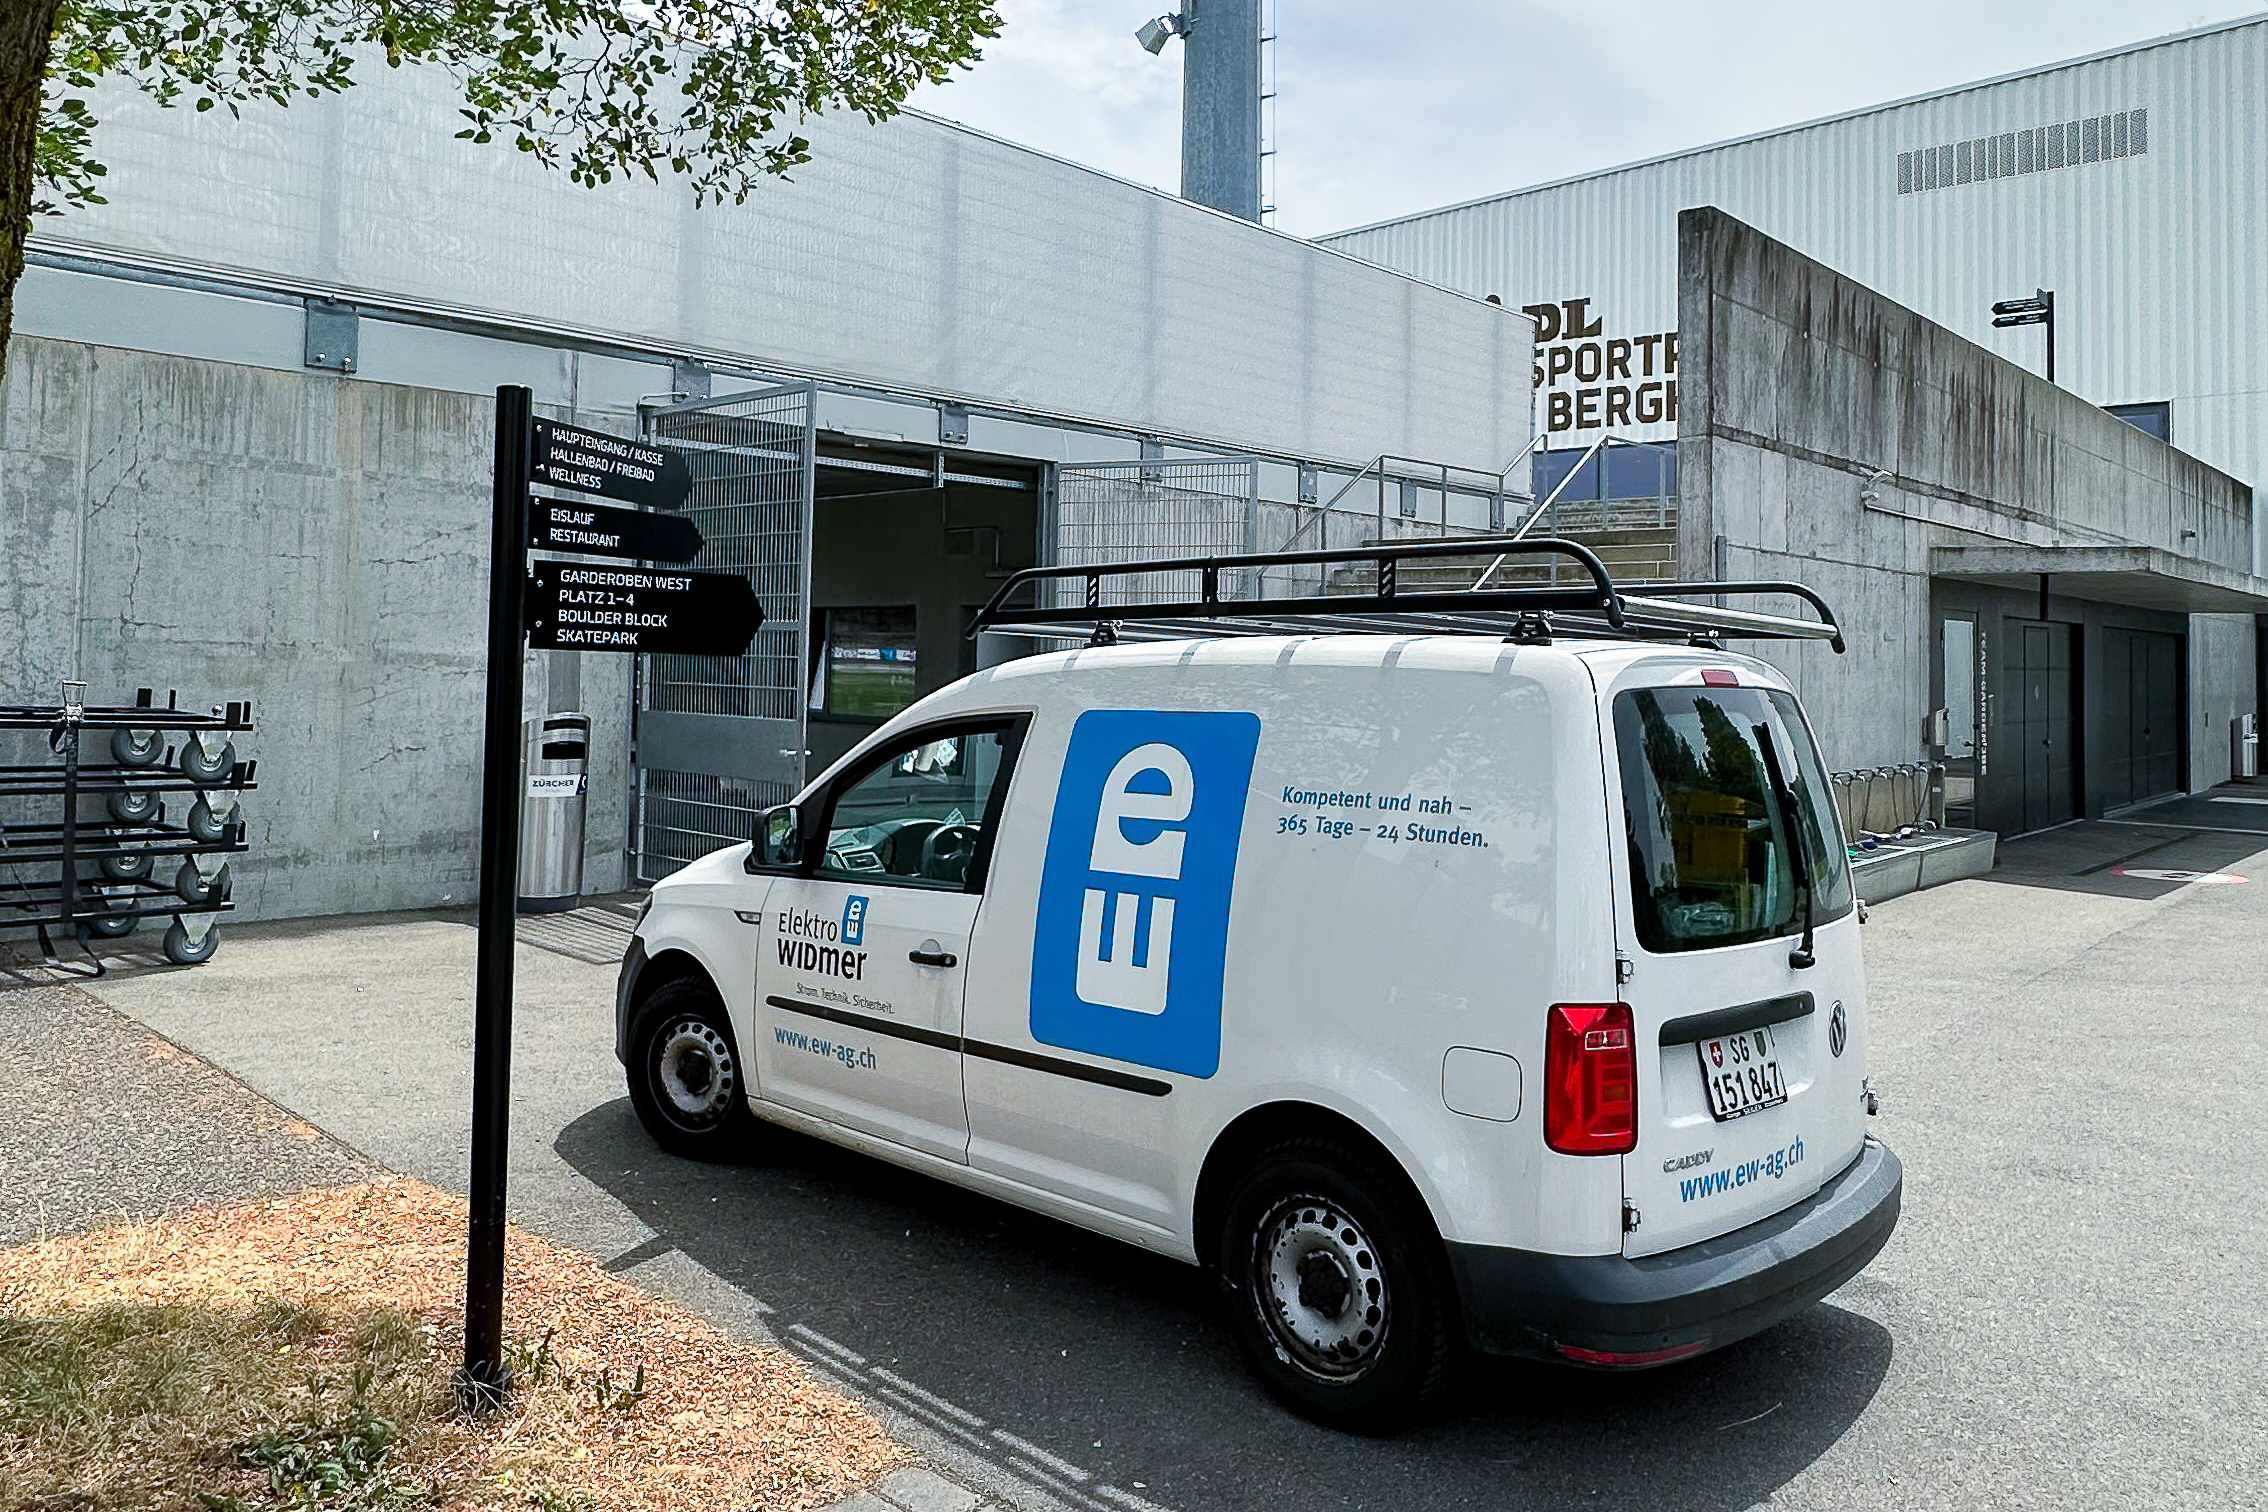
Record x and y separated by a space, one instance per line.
555 756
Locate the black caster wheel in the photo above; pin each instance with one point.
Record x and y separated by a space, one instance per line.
203 770
191 887
131 807
137 748
97 918
126 865
207 827
180 952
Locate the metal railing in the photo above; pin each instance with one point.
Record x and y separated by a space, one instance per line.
1882 802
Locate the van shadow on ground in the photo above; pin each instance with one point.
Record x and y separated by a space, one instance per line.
1064 1339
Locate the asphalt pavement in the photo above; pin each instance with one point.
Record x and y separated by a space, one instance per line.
2072 1314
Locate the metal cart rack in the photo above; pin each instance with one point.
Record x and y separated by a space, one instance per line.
1592 606
64 871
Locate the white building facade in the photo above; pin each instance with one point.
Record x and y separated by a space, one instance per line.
2133 184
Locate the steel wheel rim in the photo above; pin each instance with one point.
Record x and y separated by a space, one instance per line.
694 1075
1320 1288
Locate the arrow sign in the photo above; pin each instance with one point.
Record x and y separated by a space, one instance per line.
567 456
575 608
603 530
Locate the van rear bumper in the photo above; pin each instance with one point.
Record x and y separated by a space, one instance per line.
1609 1311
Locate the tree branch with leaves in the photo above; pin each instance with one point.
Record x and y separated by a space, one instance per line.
711 92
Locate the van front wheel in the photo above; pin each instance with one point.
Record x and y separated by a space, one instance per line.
685 1075
1341 1295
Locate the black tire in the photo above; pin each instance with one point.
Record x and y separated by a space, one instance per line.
127 865
137 748
1340 1293
687 1080
203 770
97 918
205 826
132 806
191 887
180 952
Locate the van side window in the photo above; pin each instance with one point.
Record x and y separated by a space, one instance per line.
917 815
1709 861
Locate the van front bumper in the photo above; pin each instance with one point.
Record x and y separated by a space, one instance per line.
1608 1311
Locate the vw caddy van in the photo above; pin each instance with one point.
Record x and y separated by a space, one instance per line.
1496 989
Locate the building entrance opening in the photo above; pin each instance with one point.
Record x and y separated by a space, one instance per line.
906 546
870 563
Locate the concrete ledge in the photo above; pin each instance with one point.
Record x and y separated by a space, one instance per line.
1898 867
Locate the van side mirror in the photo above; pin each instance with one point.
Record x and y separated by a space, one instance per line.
779 839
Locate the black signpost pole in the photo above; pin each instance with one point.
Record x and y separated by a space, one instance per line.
486 1379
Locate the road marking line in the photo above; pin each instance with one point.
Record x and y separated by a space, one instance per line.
2263 802
1061 1467
1128 1499
2200 829
934 1400
823 1342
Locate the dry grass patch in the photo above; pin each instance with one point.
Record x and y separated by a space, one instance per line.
299 1353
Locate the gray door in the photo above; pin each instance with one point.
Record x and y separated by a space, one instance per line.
1152 510
2141 725
2044 724
719 738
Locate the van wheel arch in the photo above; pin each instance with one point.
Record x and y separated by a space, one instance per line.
1260 1129
665 968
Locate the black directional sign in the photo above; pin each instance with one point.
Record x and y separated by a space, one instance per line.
603 530
575 608
567 456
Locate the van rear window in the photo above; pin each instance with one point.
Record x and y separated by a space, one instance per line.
1709 843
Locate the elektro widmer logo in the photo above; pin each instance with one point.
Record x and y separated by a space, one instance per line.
815 943
1132 934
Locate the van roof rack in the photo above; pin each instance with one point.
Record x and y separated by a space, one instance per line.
1529 614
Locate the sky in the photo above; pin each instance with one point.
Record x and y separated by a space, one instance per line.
1388 108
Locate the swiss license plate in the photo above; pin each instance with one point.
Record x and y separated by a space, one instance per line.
1742 1073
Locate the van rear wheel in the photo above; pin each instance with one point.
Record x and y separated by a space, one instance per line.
685 1075
1342 1298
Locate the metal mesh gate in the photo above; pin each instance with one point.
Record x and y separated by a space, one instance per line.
721 737
1153 510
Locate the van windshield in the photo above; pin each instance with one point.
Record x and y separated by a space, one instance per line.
1709 861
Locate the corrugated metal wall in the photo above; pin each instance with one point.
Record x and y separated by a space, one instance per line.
2159 258
912 254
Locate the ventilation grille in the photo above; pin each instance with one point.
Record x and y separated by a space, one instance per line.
2042 149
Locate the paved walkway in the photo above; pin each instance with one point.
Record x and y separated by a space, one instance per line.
108 1122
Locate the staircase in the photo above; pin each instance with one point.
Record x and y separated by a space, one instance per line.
1632 557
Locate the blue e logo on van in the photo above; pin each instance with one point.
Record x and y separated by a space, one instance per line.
1132 935
854 920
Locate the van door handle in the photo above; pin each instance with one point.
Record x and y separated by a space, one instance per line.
930 955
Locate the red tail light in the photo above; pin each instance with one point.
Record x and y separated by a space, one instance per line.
1590 1080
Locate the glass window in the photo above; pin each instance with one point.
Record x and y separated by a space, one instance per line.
917 817
867 662
1709 842
2152 419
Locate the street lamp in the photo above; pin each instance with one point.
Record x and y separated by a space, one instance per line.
2038 310
1154 35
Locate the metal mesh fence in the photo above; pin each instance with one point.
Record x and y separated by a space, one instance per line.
751 459
1153 511
685 815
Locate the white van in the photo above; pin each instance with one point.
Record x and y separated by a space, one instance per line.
1437 990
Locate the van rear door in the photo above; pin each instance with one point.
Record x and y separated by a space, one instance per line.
1750 1066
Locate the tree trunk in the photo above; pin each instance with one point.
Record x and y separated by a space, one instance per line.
27 28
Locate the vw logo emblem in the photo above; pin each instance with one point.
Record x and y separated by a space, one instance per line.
1837 1031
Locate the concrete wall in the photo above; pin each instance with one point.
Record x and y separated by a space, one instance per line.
314 544
1804 390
